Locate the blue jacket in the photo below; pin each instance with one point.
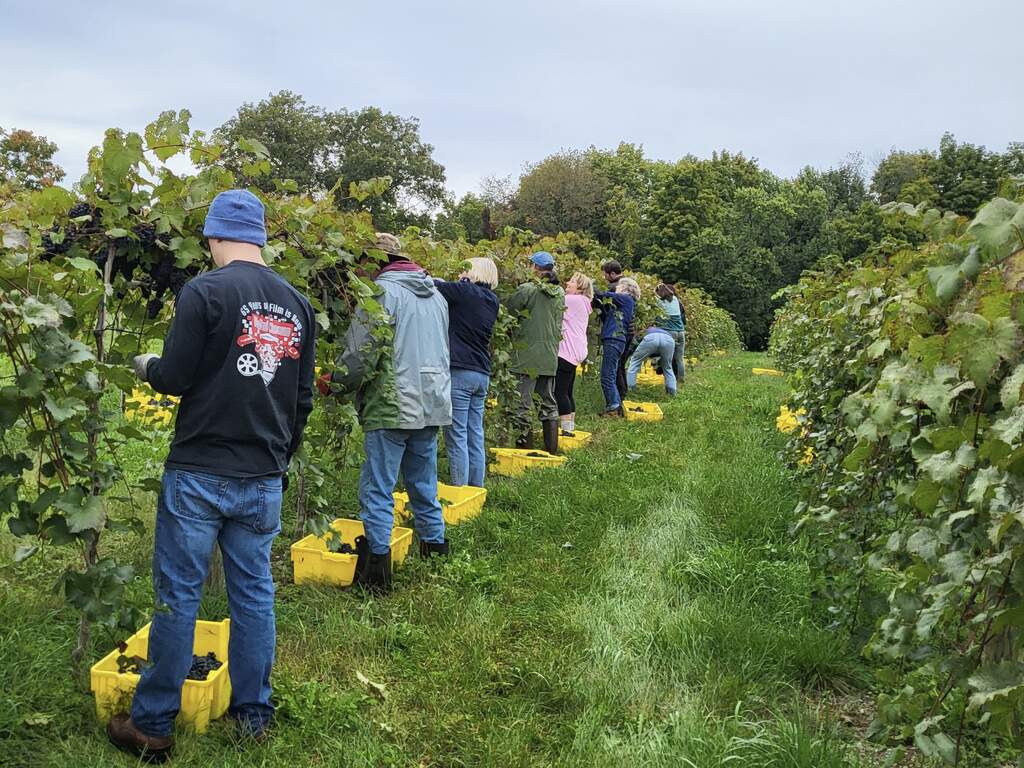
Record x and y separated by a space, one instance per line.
616 311
472 311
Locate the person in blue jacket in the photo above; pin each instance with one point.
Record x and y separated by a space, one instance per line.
616 309
472 312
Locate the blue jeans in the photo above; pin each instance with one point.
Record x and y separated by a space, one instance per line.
413 452
611 352
465 437
654 344
196 511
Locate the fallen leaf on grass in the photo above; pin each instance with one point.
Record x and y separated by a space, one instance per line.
634 456
38 718
377 689
567 545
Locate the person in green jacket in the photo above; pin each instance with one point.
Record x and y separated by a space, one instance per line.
535 349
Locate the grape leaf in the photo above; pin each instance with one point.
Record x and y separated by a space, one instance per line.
83 512
999 227
994 681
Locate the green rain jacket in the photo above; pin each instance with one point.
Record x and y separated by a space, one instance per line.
536 339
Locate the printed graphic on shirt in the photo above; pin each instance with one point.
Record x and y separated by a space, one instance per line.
276 333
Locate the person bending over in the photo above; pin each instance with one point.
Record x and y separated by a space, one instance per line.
657 342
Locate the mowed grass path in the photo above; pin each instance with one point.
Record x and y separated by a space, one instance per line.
645 605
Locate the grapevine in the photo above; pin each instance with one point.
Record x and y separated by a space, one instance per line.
907 424
87 281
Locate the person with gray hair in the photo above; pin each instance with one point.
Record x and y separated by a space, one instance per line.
630 287
472 312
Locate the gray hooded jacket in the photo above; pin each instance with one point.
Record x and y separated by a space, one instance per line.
404 381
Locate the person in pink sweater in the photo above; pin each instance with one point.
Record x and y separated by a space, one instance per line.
573 350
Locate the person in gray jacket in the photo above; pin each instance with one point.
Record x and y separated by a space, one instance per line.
397 366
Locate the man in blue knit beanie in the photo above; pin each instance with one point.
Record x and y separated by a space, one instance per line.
240 353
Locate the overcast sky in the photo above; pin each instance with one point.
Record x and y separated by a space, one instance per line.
496 85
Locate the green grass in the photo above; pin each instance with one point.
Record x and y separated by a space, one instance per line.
643 606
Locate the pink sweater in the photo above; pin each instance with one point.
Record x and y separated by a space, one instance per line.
574 328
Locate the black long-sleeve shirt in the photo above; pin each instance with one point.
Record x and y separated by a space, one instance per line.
241 353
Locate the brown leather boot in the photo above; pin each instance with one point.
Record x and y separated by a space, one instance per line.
125 736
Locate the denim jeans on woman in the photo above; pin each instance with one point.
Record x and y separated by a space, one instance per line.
464 439
413 453
195 512
611 353
660 344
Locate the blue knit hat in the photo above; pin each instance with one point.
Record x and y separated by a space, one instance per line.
236 215
543 259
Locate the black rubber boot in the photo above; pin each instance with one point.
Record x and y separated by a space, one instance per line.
373 572
551 436
430 548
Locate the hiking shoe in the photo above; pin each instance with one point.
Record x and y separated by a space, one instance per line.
125 736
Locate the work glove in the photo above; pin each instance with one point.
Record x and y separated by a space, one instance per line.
324 385
141 362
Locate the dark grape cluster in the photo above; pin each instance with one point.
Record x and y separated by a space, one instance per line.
146 234
341 547
80 209
51 249
141 258
202 666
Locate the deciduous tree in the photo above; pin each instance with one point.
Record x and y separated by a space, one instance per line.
26 160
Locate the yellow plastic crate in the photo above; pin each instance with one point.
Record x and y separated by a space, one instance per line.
650 379
147 407
512 462
458 503
402 511
313 562
578 440
642 411
201 700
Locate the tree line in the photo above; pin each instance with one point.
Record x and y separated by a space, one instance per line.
723 224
